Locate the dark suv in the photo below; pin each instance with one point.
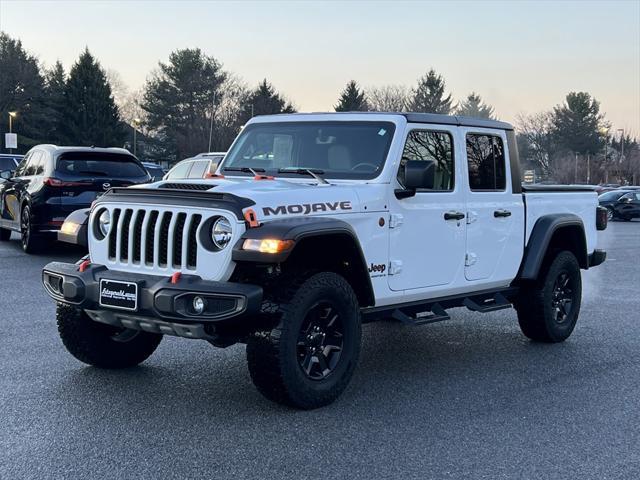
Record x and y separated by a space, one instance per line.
51 182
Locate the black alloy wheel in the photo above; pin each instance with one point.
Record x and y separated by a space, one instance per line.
320 341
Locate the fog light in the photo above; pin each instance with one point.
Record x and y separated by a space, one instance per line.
198 305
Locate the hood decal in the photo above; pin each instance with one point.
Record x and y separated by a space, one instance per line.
306 208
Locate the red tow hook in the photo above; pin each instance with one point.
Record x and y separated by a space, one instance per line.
84 265
175 278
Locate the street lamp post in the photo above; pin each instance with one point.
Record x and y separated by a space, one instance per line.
11 117
136 122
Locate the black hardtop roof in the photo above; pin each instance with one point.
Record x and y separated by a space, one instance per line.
432 118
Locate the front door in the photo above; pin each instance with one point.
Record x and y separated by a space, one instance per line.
427 230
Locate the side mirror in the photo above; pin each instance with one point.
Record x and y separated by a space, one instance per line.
6 174
419 174
625 200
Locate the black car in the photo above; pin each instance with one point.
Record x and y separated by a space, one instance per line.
51 182
621 204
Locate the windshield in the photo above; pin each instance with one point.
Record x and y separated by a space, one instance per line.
349 150
111 165
7 163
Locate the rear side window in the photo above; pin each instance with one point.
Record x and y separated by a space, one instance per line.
199 169
434 146
180 171
486 162
90 164
34 165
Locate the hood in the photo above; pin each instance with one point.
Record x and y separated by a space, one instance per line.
281 198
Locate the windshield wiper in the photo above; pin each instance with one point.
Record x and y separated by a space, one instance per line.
254 171
314 172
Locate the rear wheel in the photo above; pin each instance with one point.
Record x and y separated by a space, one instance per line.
31 241
548 308
307 360
102 345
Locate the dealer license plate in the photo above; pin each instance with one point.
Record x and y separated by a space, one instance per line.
122 295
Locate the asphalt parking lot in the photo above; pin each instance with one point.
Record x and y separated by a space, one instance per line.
467 398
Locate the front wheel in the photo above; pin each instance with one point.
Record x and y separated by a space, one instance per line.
307 360
103 345
548 308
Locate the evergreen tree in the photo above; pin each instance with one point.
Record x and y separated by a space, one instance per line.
21 91
266 101
352 99
179 101
429 96
91 116
54 96
578 123
473 106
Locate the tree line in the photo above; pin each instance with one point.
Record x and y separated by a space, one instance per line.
191 104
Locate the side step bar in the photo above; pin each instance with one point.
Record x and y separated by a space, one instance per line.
434 310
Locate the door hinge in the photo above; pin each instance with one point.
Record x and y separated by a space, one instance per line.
395 220
472 216
470 259
395 267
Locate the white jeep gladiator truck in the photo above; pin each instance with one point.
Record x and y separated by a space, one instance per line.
315 224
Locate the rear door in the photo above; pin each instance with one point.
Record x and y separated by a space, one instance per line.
495 215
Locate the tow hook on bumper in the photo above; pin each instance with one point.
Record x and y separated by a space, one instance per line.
156 304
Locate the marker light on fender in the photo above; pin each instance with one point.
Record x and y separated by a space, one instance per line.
267 245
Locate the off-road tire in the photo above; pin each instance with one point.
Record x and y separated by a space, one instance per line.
31 241
537 303
95 343
5 234
273 355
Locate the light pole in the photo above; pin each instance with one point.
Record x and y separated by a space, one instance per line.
605 132
12 115
136 122
213 110
621 130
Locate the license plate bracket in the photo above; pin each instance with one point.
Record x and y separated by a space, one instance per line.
119 294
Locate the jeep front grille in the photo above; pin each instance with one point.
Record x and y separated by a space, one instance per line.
154 238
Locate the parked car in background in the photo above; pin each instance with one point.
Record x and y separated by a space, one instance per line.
623 204
156 172
51 182
202 165
630 187
9 161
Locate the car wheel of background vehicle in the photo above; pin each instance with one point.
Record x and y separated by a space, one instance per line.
103 345
308 359
31 242
548 308
5 234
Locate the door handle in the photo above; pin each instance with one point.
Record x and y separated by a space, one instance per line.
501 213
453 215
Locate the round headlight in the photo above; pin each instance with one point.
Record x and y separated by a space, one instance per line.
104 222
221 233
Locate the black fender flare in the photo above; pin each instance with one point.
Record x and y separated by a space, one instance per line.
540 238
297 229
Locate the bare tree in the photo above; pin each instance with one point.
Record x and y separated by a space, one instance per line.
536 145
389 98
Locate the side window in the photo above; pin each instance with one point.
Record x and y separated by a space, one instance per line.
486 162
199 168
39 167
436 147
32 166
22 166
628 197
180 171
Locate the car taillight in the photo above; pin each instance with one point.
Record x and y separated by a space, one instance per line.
601 218
56 182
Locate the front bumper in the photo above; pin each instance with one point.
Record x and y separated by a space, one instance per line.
158 300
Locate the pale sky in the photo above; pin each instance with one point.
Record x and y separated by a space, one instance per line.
520 56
